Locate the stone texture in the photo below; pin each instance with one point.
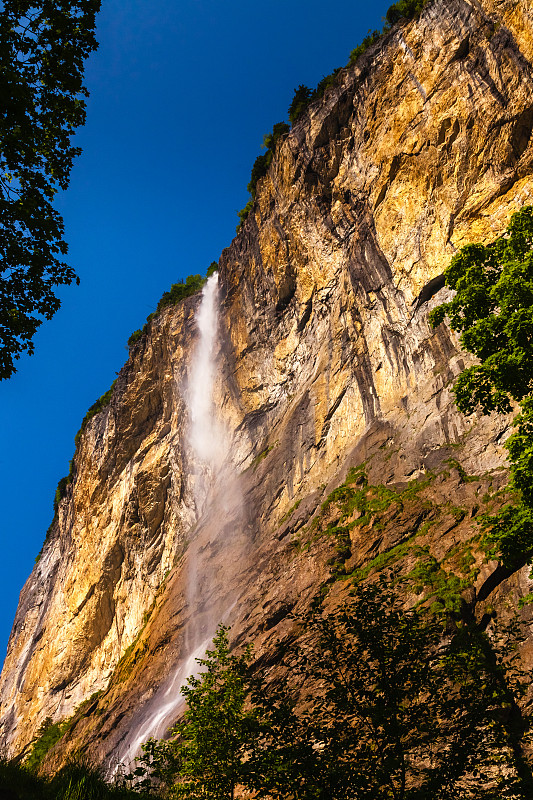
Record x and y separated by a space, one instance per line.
326 360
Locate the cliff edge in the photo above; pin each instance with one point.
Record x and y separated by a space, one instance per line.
324 361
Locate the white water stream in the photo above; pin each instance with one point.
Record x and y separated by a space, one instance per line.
214 492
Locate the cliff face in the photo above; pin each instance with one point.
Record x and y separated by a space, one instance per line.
325 360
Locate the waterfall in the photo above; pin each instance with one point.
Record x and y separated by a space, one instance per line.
218 509
204 431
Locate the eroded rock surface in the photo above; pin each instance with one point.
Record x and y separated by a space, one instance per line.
326 361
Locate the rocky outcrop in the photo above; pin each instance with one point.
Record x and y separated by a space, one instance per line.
326 361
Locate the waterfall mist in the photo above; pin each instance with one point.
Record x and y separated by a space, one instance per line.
216 546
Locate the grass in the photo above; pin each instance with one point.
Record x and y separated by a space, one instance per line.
48 735
262 455
356 503
289 513
75 781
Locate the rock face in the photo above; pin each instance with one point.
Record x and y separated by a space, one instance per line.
325 361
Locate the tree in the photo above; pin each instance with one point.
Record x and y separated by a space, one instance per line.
493 311
396 708
207 756
302 97
262 162
373 703
43 46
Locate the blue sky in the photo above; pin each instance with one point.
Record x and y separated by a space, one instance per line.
181 96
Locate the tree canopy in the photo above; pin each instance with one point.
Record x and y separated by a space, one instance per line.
493 311
372 702
43 47
208 756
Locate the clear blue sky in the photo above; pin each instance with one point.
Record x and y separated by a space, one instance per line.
181 95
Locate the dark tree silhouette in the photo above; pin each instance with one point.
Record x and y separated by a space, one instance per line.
43 47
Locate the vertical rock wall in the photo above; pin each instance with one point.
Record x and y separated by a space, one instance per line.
325 360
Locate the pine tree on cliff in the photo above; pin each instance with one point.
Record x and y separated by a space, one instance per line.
43 47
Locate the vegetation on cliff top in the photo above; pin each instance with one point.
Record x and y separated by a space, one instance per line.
493 311
177 292
304 96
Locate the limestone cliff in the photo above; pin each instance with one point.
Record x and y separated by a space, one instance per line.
325 360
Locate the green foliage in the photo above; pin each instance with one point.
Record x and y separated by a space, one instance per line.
325 82
243 213
464 476
177 292
290 512
261 165
43 46
48 735
445 588
391 705
75 781
508 535
493 311
404 9
300 101
135 336
262 162
304 96
96 407
208 757
371 38
262 455
374 702
401 712
61 490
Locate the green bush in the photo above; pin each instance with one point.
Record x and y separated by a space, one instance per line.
75 781
261 165
262 162
243 213
61 490
492 310
393 703
177 292
135 336
96 407
371 38
302 97
404 9
327 80
47 736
